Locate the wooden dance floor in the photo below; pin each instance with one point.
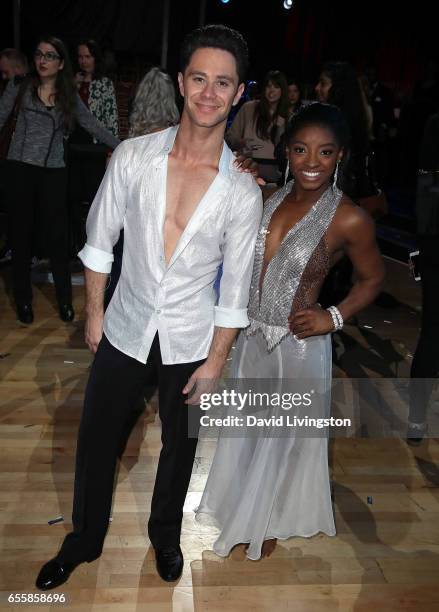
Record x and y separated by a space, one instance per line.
385 556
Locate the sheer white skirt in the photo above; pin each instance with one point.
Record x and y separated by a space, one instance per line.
272 487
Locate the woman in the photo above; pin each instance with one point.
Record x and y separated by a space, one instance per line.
338 85
36 175
95 89
154 106
295 102
259 124
87 157
262 488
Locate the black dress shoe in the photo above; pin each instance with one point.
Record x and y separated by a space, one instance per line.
169 562
416 433
25 313
54 573
66 313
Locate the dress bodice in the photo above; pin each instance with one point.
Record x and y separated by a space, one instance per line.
297 269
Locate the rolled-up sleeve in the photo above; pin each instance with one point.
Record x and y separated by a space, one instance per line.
239 248
106 216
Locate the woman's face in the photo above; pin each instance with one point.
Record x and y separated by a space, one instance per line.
323 87
313 154
47 60
86 60
293 93
272 92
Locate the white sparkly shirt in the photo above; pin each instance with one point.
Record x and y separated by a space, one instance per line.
176 300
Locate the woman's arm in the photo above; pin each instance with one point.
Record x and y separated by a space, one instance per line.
356 232
359 234
93 126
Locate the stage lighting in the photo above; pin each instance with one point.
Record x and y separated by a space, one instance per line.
288 4
224 1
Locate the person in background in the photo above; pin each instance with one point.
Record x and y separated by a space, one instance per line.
296 104
12 63
338 85
95 89
259 125
295 99
36 185
154 107
425 364
87 156
382 103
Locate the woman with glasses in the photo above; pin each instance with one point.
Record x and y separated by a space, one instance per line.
36 186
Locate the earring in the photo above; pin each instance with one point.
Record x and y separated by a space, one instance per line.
334 180
287 172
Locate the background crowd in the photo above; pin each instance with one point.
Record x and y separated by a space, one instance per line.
70 108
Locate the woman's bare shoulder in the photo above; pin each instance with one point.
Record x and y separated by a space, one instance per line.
350 216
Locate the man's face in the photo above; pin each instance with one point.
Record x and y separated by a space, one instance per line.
7 70
210 86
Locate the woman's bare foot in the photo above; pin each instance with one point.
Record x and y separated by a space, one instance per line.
267 547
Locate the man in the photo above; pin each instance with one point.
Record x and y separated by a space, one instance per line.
12 63
185 210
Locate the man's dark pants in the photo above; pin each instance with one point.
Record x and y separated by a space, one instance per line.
115 384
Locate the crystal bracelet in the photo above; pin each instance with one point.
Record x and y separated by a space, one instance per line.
337 319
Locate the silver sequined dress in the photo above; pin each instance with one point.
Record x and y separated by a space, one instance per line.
262 487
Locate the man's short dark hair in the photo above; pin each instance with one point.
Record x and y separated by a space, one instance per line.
216 37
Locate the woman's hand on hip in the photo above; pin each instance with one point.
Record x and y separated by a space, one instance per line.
313 321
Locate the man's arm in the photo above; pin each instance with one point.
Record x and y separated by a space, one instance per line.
95 283
206 376
104 223
231 311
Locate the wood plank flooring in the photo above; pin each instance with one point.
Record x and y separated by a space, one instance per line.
385 556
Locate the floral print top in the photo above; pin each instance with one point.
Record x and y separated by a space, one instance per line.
102 103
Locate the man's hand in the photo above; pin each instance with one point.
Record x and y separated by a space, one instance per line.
312 321
203 380
94 325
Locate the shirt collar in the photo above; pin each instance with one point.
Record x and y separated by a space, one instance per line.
225 162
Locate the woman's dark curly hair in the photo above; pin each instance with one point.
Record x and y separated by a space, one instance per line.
66 94
265 122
